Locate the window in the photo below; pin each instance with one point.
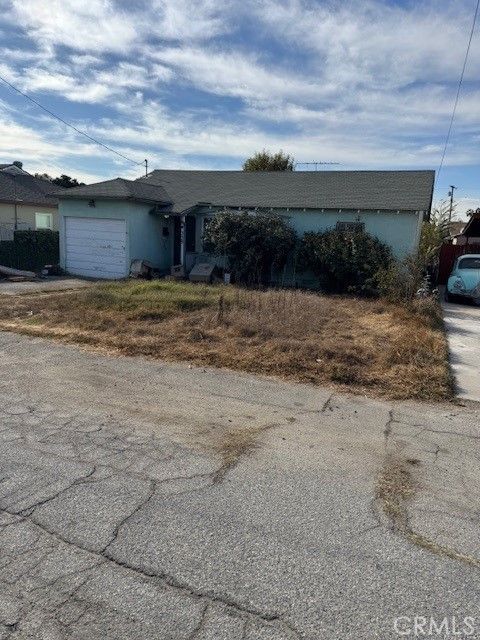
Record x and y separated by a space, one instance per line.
44 221
469 263
350 227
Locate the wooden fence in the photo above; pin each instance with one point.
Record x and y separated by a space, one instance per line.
448 254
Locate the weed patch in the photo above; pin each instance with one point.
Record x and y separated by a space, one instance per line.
372 346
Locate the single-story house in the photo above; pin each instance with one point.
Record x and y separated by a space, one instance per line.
470 231
26 202
161 217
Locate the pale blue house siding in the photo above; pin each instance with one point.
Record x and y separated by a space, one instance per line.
400 231
145 239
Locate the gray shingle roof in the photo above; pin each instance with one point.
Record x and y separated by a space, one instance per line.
119 189
385 190
28 189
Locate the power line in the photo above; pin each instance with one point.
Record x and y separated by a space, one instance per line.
460 82
54 115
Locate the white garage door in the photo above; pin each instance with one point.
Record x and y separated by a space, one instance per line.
96 247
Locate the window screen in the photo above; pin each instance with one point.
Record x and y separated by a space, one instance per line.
350 227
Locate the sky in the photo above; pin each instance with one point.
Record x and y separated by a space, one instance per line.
204 84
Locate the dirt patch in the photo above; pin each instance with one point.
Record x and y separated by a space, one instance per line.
395 490
367 346
234 444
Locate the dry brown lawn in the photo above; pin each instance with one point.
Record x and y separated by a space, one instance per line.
368 346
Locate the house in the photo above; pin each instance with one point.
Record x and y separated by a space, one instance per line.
160 218
470 232
455 229
26 202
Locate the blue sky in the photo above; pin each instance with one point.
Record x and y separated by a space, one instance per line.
204 84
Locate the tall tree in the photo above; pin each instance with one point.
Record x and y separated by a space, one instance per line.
267 161
43 176
67 182
63 181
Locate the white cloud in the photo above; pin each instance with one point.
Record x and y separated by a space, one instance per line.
22 142
96 25
466 204
373 85
111 26
373 42
79 84
155 129
191 19
236 74
134 76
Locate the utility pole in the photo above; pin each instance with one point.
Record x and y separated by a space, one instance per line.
450 193
146 167
15 210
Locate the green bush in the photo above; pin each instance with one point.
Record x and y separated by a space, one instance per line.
30 250
253 243
344 262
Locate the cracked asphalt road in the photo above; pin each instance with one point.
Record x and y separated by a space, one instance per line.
146 500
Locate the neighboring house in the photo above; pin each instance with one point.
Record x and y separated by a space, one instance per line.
26 202
161 218
470 232
455 229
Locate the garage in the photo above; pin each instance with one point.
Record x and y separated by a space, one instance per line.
96 247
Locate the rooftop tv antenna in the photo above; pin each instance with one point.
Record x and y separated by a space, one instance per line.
315 164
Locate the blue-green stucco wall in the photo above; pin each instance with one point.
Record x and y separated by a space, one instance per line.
145 239
401 231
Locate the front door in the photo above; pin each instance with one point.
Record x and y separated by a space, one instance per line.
190 233
177 240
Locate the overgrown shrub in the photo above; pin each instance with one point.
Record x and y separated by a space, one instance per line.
435 232
400 280
344 262
253 243
30 249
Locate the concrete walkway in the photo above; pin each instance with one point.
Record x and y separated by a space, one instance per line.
463 330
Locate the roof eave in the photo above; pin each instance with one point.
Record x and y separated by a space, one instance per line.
201 205
72 196
30 203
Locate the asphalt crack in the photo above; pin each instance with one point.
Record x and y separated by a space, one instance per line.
174 583
122 523
396 488
387 432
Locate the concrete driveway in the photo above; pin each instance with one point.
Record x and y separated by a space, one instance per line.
61 283
145 500
462 322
